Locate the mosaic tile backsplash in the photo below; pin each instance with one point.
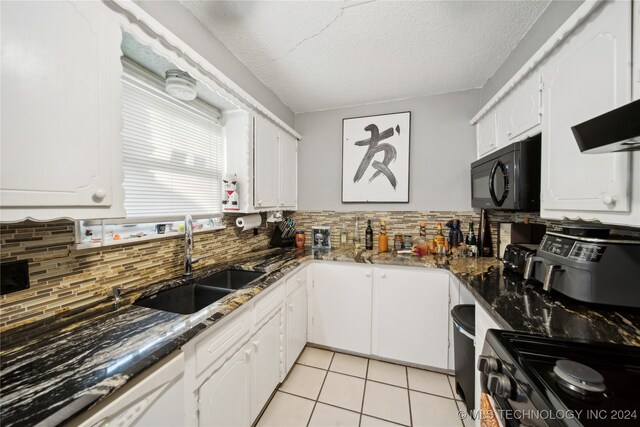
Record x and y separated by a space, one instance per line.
63 279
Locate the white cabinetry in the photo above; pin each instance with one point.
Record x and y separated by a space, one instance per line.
410 315
342 307
266 162
265 362
156 399
589 74
296 318
487 133
60 142
521 109
265 159
224 398
636 50
484 322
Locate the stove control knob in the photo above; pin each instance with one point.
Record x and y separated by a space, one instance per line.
488 364
500 385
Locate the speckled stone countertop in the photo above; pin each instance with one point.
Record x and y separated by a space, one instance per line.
51 371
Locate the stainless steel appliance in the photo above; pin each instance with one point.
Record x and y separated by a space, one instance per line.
602 270
516 255
508 179
533 380
617 130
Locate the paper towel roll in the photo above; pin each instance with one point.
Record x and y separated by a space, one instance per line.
249 222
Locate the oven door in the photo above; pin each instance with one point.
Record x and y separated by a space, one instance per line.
493 183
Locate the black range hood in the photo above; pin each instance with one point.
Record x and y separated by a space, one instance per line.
617 130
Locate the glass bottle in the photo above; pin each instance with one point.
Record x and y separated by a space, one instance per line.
383 239
368 237
343 235
439 239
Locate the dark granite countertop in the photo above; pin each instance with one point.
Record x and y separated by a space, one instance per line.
53 370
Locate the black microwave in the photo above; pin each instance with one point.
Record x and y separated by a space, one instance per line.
508 179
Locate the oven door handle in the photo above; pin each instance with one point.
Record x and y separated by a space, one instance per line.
492 178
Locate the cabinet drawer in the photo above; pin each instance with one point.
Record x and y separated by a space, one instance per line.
295 281
229 336
267 304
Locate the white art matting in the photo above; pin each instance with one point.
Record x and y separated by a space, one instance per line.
375 158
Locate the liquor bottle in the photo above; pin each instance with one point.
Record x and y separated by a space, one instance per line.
343 235
439 239
487 249
356 235
471 240
383 239
368 236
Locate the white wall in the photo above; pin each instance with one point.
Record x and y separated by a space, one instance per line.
442 147
184 25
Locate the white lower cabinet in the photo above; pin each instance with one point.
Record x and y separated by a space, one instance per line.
296 319
342 307
157 399
224 398
484 322
410 315
265 358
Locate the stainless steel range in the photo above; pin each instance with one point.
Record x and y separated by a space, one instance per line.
533 380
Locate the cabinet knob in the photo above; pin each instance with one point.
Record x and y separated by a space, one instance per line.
383 275
255 345
290 307
247 354
99 195
259 202
367 274
609 200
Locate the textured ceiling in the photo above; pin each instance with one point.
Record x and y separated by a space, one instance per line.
326 54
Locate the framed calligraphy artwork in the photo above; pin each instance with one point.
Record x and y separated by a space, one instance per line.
375 158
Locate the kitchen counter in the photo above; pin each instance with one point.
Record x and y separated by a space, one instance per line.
53 370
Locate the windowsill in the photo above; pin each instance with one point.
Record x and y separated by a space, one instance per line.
133 240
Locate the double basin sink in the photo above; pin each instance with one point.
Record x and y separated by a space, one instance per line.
195 296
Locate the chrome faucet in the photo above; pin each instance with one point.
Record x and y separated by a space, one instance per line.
188 246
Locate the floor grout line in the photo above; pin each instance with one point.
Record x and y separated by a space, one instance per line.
364 392
406 371
320 391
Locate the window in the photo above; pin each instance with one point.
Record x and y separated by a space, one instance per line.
172 151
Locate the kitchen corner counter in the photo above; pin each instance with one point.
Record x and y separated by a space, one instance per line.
51 371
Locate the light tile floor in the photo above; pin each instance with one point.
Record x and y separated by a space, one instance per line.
325 389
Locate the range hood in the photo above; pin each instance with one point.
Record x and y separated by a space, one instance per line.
617 130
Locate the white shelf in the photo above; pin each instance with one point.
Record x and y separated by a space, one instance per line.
132 240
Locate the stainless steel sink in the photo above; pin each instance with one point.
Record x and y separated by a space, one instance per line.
230 278
187 299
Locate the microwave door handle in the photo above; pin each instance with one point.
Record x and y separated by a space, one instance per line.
492 177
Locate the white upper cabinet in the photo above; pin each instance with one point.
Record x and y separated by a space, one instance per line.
522 113
288 167
487 133
60 141
266 156
589 74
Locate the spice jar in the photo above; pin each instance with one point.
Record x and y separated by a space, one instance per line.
407 242
398 242
300 238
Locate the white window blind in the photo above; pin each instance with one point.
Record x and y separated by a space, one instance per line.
172 155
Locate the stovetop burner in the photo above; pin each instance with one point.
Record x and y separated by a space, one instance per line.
578 377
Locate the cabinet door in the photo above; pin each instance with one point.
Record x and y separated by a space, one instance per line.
288 167
342 307
157 400
60 142
265 364
410 316
522 111
588 75
487 133
296 336
265 170
224 399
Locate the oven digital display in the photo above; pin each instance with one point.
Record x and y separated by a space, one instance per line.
557 245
